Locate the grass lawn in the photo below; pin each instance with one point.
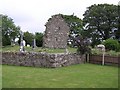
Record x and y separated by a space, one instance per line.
0 77
75 76
38 49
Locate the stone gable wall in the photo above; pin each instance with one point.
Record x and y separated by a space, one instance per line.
41 59
56 33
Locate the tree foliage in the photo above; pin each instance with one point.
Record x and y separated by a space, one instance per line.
101 22
28 37
75 25
0 31
39 39
117 34
9 30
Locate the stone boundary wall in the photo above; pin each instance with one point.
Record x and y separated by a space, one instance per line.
41 59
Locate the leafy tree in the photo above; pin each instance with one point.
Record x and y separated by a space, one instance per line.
75 25
39 39
9 30
101 22
0 31
117 33
28 37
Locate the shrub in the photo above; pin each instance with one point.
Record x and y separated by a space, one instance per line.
111 44
82 44
112 53
96 52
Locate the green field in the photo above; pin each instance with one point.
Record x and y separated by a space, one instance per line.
37 49
49 50
75 76
0 77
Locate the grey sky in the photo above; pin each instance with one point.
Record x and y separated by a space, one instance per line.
31 15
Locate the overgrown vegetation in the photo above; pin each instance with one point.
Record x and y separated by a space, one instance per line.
110 53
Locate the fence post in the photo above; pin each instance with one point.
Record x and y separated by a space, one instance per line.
103 58
119 60
102 49
87 58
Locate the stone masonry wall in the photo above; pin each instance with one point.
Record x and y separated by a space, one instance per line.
41 59
56 33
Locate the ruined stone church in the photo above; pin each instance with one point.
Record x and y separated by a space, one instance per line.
56 33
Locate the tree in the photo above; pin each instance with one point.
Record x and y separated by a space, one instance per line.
75 25
39 39
100 22
28 37
82 44
117 33
9 30
0 31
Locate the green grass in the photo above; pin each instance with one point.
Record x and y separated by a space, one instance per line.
75 76
11 48
110 53
38 49
0 77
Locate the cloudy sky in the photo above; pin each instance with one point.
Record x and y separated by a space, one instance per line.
31 15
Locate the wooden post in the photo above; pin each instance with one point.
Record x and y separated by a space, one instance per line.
103 56
87 58
102 49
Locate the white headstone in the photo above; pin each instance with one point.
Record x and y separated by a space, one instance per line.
24 43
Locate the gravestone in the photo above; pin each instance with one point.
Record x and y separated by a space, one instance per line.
33 43
56 33
22 45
